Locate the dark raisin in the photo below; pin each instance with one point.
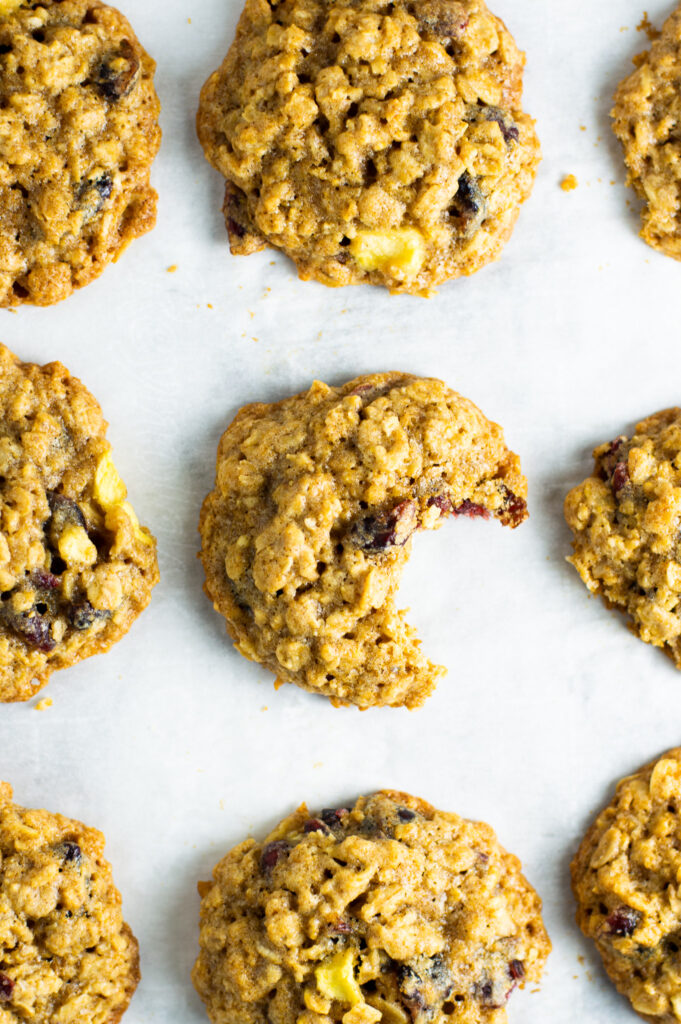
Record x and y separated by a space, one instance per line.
516 969
404 814
314 825
114 83
469 207
65 512
272 853
71 852
234 228
93 193
82 615
6 986
386 529
471 509
492 992
623 921
33 627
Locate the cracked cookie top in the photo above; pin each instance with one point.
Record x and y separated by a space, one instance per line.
371 141
626 521
387 910
310 524
66 955
625 879
78 133
646 116
76 568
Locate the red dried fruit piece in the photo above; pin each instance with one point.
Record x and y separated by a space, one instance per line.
6 986
516 969
471 509
45 580
623 922
314 825
620 477
515 509
387 529
342 927
333 816
272 853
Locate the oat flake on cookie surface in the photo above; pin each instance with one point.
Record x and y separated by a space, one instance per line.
308 529
66 955
646 119
387 911
78 134
76 568
626 521
625 878
371 141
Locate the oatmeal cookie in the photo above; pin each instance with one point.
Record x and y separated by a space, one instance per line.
371 141
66 955
389 910
76 568
625 879
78 134
308 529
626 519
646 116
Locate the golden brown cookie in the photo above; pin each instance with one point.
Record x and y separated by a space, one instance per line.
390 910
625 519
66 955
76 568
308 529
625 879
646 116
371 141
78 134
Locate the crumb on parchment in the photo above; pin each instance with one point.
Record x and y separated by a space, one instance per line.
569 183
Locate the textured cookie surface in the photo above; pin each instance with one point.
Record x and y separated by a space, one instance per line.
66 955
626 881
76 568
78 134
646 116
625 519
316 500
371 141
387 911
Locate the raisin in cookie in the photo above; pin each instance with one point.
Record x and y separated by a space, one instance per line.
76 568
78 133
310 524
625 878
389 910
626 519
66 955
371 141
646 115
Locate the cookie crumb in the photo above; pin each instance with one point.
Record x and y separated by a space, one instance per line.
172 268
646 25
44 704
582 127
569 183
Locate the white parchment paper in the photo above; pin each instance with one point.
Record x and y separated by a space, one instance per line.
174 745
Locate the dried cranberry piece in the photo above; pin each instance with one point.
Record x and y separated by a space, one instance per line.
272 853
6 986
234 228
515 508
342 927
442 502
333 816
516 969
387 529
35 629
45 580
471 509
620 477
314 825
623 921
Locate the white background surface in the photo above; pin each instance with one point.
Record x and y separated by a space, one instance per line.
174 745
